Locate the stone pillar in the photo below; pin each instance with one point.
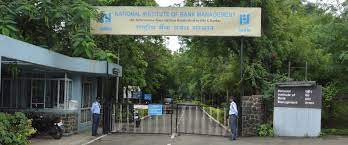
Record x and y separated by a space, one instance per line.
70 123
251 114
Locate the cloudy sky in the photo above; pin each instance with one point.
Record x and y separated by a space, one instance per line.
173 43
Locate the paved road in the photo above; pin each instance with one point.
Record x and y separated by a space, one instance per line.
137 139
192 120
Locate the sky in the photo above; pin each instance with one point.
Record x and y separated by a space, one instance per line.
173 42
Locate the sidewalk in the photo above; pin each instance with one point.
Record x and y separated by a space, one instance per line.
75 139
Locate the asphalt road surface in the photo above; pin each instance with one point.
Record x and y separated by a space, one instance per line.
192 120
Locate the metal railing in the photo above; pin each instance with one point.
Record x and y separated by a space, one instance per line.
86 115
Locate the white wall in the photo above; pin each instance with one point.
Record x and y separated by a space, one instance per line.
297 122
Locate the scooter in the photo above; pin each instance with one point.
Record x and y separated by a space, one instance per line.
137 119
50 125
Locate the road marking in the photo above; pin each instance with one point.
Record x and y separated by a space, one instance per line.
181 117
95 139
173 136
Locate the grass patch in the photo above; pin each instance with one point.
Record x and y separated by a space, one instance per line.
142 112
334 131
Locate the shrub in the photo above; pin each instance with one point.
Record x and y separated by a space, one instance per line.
142 112
334 131
265 130
15 129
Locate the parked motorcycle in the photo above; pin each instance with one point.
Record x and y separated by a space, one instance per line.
137 119
47 125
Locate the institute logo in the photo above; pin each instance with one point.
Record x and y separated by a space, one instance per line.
106 18
244 22
244 19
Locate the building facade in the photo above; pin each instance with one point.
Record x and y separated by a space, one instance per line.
35 79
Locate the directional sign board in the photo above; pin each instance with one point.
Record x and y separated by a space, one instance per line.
155 109
298 97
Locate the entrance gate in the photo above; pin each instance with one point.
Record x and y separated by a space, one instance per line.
179 21
178 118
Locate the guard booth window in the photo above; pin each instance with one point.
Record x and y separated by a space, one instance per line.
36 93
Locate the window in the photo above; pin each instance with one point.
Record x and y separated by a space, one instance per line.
36 93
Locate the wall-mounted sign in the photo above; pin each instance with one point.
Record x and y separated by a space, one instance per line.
298 97
154 109
182 21
148 97
115 71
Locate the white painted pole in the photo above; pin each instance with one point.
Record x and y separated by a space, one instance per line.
65 92
58 95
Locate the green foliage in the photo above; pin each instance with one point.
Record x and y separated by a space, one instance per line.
333 131
329 92
265 130
142 112
52 24
15 129
340 113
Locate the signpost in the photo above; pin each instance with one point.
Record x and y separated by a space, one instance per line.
297 109
155 109
298 97
147 97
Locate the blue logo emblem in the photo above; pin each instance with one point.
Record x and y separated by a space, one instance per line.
244 19
106 18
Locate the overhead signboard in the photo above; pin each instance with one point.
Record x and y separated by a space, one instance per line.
181 21
298 97
154 109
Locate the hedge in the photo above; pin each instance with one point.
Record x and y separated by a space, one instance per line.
15 129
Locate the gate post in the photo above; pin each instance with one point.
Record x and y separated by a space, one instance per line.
251 114
106 109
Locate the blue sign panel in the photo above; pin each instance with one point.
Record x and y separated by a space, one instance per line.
154 109
148 97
